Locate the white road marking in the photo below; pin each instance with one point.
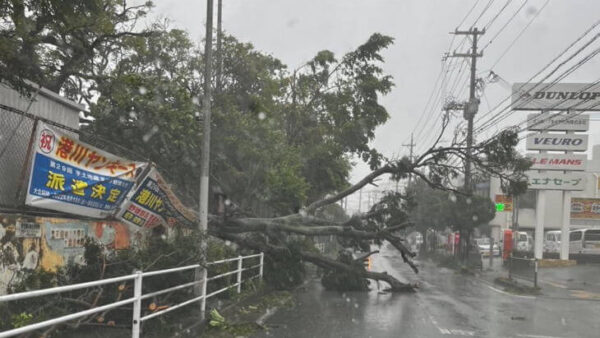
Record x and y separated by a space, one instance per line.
563 321
535 336
509 294
445 331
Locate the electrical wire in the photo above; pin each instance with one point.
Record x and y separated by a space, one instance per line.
520 34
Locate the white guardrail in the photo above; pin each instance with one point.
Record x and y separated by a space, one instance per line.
137 298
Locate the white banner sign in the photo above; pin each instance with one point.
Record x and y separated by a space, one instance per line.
563 122
564 142
557 96
558 161
28 229
556 181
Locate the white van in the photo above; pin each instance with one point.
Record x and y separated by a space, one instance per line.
552 241
584 241
524 241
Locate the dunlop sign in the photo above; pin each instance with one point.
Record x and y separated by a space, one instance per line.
565 142
555 181
566 122
557 96
557 161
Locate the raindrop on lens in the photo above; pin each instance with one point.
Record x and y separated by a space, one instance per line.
163 237
195 100
227 202
143 90
452 197
468 200
132 114
475 218
262 116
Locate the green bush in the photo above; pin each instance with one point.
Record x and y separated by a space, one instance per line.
157 254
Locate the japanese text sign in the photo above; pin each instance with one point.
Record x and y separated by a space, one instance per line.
556 180
153 203
73 177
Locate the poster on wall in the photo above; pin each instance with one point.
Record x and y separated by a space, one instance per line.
153 203
73 177
26 229
585 208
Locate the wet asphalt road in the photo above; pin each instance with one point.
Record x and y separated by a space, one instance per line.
447 305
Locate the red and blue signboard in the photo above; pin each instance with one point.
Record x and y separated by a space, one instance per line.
70 176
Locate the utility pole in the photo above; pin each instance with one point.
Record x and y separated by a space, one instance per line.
219 50
205 156
411 145
469 110
470 107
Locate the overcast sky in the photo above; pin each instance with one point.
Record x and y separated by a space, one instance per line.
295 30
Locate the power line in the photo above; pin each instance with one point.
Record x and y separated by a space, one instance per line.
482 12
467 15
505 25
520 34
498 117
564 51
491 22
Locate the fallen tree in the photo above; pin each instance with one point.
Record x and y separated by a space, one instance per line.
385 219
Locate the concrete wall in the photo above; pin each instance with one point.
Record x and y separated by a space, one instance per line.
55 242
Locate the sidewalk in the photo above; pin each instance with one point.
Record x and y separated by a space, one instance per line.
573 282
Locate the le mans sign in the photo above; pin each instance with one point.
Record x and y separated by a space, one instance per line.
573 162
556 96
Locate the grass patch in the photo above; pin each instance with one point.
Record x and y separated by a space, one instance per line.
512 286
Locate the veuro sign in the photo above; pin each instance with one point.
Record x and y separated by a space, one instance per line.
565 142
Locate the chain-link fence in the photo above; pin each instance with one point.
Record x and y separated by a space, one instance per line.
17 135
16 131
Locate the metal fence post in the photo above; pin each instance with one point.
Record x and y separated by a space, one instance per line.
262 263
137 305
239 274
535 273
510 258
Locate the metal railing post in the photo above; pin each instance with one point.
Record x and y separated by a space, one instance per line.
204 276
262 263
137 305
239 274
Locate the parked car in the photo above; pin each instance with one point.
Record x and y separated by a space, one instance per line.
484 247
